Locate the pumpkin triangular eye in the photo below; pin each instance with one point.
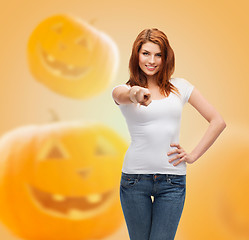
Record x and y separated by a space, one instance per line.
53 150
81 41
57 28
55 153
104 147
84 42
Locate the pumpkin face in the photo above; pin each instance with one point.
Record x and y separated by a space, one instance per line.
71 57
217 205
61 178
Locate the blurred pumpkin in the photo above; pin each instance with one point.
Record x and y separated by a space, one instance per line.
71 57
218 191
61 181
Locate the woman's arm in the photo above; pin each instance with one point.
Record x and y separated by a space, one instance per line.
216 126
135 94
121 95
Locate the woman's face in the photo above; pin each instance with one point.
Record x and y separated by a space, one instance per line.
150 58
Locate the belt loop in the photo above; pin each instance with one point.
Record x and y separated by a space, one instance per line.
167 177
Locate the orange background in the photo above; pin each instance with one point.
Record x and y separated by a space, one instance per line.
209 38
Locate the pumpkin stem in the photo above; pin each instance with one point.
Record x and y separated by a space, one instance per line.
92 21
54 115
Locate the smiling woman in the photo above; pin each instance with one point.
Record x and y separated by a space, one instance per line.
155 163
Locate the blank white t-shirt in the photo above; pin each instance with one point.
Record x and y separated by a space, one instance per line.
152 129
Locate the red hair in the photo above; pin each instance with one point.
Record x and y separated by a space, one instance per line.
138 77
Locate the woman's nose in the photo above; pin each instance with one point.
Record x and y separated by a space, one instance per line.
152 59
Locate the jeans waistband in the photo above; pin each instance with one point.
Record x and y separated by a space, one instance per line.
151 176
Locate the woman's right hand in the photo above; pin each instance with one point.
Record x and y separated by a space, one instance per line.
140 95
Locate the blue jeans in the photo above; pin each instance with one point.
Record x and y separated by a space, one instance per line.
147 219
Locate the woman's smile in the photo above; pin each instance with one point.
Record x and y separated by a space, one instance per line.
150 68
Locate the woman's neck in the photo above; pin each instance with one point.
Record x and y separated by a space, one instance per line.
152 83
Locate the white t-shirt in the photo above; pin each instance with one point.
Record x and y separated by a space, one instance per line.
152 129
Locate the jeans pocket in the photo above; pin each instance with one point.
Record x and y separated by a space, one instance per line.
129 180
178 180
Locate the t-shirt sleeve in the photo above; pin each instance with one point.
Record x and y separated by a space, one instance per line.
186 89
118 86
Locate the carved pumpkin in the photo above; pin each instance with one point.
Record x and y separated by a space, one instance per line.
217 203
71 57
61 181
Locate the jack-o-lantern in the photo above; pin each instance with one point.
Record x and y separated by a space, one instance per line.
218 197
61 181
71 57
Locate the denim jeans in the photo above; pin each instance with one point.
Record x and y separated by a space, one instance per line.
147 219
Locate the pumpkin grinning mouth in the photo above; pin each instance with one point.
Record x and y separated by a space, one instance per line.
60 68
73 207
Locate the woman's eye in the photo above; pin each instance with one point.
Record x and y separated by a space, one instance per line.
159 55
145 53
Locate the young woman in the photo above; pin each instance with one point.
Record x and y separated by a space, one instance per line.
155 163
